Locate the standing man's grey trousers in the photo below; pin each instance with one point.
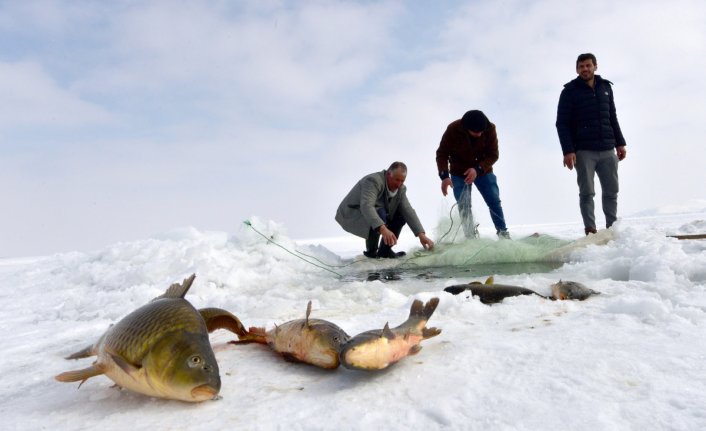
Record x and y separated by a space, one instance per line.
605 164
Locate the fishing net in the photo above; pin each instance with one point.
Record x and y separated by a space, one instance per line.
460 223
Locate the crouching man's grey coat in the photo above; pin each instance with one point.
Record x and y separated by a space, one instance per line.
358 214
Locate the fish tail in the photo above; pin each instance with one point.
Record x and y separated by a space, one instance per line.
430 307
419 310
218 318
416 310
253 335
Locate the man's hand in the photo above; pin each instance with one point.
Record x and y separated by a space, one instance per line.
471 175
621 152
445 183
388 236
570 160
427 243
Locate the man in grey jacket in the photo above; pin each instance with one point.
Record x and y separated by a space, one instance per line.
377 206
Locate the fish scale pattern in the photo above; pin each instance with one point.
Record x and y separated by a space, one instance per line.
134 335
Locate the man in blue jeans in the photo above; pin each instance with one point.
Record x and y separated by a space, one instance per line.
466 154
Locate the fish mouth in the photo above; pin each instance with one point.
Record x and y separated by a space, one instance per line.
204 392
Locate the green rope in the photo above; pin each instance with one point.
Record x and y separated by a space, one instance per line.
451 219
249 224
326 264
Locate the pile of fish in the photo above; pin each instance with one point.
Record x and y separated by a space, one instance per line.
162 348
324 344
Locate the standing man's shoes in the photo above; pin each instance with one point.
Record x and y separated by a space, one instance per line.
590 230
503 234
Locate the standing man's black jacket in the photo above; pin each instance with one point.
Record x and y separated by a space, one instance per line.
586 118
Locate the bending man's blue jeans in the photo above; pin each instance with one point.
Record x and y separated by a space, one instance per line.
488 187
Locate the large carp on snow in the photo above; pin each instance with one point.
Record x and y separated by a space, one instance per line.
311 341
161 350
380 348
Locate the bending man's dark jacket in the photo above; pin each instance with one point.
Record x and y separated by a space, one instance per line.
462 151
586 117
357 213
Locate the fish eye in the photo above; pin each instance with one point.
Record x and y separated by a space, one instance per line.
195 361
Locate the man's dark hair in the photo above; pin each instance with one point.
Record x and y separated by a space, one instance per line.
584 57
396 165
475 121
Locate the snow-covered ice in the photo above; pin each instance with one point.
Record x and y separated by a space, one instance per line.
631 358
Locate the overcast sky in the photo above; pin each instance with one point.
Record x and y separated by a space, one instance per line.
121 120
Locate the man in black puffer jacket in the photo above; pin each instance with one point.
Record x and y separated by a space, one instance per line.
591 139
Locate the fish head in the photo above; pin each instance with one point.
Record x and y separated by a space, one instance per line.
571 290
327 341
330 336
559 290
182 365
366 351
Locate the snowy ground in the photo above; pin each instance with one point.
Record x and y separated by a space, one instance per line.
632 358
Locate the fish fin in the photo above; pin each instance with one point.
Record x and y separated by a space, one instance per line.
430 332
490 280
308 312
387 332
123 364
430 307
80 375
455 290
178 290
415 349
253 335
289 357
218 318
83 353
488 300
417 308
